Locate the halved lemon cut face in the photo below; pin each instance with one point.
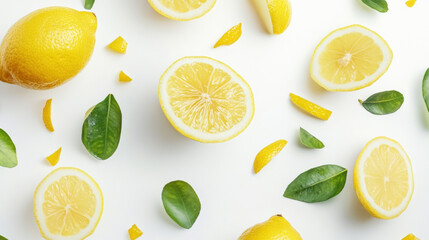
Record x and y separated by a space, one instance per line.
383 178
350 58
67 205
182 10
205 99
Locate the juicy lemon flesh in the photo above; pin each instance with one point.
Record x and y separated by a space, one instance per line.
350 58
205 98
386 177
182 6
69 204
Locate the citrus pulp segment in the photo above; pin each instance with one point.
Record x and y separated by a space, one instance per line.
68 205
383 178
350 58
182 10
205 100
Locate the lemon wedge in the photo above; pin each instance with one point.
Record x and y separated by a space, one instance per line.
205 100
119 45
182 10
350 58
54 157
267 154
67 205
124 77
47 116
310 107
383 178
134 232
276 14
230 37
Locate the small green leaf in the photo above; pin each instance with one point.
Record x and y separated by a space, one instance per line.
101 130
425 89
89 4
309 140
2 238
379 5
317 184
383 102
7 151
181 203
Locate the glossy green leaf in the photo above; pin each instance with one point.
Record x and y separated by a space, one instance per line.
383 102
181 203
7 151
101 130
317 184
309 140
379 5
89 4
425 89
2 238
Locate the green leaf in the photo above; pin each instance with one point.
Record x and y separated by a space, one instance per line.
181 203
89 4
7 151
317 184
425 89
383 102
379 5
101 130
309 140
2 238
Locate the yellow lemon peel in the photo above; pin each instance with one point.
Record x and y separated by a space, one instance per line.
310 107
119 45
275 228
124 77
230 37
47 115
134 232
54 157
410 237
410 3
267 154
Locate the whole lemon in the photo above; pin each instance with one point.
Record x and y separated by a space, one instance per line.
47 47
275 228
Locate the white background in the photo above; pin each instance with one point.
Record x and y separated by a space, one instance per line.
151 153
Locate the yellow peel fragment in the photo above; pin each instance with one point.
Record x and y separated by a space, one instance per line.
47 115
310 107
267 154
410 3
410 237
134 232
124 77
119 45
230 37
54 157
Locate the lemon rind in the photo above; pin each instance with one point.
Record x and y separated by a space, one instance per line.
352 86
194 134
39 197
360 186
190 15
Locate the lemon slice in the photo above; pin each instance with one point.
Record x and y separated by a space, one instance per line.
67 205
205 100
310 107
383 178
276 14
182 10
267 154
350 58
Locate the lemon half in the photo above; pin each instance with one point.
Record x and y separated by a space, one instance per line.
182 10
68 205
350 58
383 178
205 100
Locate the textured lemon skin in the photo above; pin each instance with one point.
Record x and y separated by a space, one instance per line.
275 228
310 107
410 237
281 13
47 47
358 188
339 88
267 154
44 179
230 37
